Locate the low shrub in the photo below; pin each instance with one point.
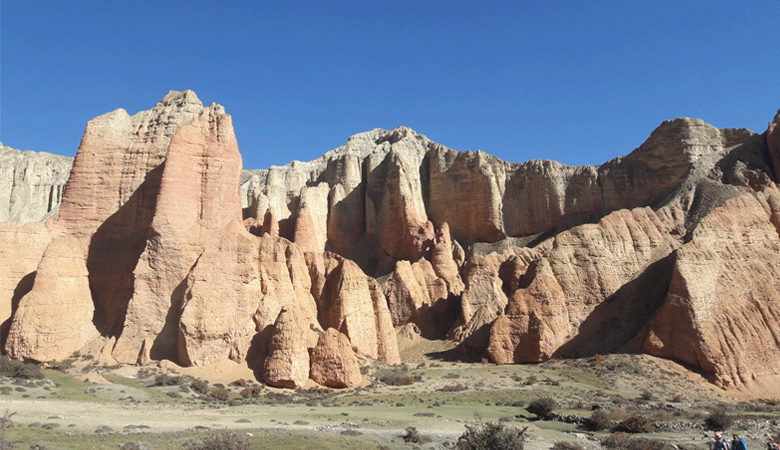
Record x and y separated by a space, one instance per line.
200 386
63 365
564 445
635 424
166 380
453 388
5 422
718 420
616 440
649 444
597 421
219 394
491 436
253 392
622 441
396 376
415 437
219 440
542 407
18 369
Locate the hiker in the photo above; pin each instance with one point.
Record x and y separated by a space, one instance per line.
737 443
772 446
720 443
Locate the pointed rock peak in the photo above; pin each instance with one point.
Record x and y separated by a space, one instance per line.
396 134
270 223
777 117
214 109
443 233
176 98
681 125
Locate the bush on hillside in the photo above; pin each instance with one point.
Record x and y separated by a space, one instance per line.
597 421
564 445
542 407
219 440
5 422
415 437
635 424
491 436
718 420
200 386
18 369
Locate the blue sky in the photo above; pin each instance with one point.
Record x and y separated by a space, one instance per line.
576 81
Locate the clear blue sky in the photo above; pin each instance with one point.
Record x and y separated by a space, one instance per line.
576 81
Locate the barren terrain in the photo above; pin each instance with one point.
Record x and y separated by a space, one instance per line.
89 406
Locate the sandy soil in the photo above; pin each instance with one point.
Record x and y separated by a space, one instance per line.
119 399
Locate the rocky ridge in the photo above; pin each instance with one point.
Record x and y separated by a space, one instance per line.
294 270
31 184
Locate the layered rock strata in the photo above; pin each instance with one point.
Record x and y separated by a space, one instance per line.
55 318
333 363
150 251
722 308
425 292
165 249
198 196
21 250
31 184
609 274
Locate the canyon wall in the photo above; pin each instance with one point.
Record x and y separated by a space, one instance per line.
165 249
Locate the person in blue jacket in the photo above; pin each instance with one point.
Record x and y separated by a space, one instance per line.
737 443
720 443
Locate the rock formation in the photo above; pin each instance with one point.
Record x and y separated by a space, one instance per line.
21 249
198 196
165 249
773 143
333 363
354 304
235 292
31 184
425 293
559 304
711 317
55 318
287 363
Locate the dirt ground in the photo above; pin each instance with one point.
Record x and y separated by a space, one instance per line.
123 401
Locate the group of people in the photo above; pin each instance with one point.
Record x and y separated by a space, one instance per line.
737 443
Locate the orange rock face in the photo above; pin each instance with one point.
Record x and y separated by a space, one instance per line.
354 304
425 293
55 318
198 196
234 295
287 364
559 305
165 250
333 363
711 318
465 181
21 249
